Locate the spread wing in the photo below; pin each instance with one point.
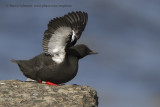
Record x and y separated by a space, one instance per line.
63 32
78 21
57 36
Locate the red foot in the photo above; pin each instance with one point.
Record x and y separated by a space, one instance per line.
50 83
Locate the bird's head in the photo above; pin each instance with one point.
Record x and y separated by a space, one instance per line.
81 51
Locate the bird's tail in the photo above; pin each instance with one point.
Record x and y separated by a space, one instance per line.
14 61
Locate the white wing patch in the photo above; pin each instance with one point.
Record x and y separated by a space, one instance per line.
73 36
58 58
57 43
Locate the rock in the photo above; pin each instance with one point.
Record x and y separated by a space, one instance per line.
14 93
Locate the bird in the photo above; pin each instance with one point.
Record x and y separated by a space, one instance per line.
58 63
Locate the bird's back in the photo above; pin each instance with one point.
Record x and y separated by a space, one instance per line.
32 66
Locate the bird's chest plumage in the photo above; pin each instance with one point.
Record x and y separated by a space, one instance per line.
59 72
68 68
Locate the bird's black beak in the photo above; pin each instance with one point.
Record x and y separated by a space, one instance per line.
92 52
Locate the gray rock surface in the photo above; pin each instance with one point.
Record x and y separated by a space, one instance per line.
14 93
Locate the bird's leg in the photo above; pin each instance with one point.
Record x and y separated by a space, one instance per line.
49 83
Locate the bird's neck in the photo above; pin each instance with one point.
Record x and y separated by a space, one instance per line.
72 60
73 53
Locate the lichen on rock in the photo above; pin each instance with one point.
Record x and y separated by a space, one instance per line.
15 93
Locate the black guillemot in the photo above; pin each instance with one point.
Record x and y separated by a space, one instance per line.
59 62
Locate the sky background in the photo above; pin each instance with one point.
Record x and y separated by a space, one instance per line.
125 33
